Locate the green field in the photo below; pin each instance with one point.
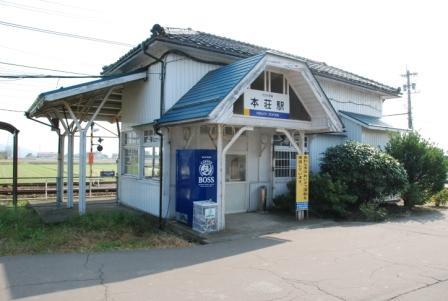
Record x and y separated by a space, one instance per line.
36 169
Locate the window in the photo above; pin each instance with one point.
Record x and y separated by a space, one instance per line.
130 153
284 158
151 167
277 83
235 168
151 155
258 83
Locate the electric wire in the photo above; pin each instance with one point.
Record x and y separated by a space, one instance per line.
64 34
41 68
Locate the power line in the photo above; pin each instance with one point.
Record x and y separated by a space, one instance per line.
48 76
41 68
64 34
9 110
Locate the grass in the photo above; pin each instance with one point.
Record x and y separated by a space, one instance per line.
22 232
46 169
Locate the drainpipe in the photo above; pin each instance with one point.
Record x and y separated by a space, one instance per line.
157 129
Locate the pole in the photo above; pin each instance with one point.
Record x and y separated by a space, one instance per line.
71 136
91 149
14 169
408 83
82 171
60 176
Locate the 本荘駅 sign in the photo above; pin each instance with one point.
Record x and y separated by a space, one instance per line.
266 104
302 182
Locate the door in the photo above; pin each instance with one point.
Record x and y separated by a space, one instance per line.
236 199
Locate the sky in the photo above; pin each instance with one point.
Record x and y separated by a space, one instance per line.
376 39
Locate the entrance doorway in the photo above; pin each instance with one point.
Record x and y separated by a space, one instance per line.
237 200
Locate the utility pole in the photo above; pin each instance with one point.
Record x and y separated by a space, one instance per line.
409 87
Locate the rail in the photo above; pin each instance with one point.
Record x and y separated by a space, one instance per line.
38 186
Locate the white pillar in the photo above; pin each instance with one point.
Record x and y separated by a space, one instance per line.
60 171
221 180
70 140
82 171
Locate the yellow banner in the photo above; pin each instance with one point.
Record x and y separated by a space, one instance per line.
302 182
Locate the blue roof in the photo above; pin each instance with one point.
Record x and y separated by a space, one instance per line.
369 121
203 97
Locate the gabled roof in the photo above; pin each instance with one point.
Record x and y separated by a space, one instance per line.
222 45
203 97
370 122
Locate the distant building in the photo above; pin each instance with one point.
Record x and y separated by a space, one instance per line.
47 155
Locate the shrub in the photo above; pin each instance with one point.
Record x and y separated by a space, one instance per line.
368 172
426 166
440 198
373 212
329 197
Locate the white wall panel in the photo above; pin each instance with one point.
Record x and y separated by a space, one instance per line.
141 100
347 98
181 74
317 145
140 194
375 138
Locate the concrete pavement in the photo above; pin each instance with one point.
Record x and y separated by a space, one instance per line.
401 260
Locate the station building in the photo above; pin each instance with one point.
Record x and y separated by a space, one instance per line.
196 110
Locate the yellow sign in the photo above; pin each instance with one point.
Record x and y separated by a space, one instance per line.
302 182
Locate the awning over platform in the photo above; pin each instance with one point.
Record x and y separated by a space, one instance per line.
370 122
85 98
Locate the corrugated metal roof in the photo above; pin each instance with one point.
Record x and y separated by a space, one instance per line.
210 42
369 121
203 97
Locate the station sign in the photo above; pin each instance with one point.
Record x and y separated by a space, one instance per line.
266 104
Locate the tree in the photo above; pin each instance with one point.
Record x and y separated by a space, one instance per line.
367 172
425 164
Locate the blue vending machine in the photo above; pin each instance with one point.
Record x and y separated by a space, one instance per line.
196 180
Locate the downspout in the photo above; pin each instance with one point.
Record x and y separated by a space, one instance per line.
157 129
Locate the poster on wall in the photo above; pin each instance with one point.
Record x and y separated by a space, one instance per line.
196 180
302 182
266 104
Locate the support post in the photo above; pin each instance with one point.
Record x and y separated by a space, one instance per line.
70 140
221 181
60 172
82 171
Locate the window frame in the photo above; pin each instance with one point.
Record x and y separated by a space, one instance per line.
130 144
152 141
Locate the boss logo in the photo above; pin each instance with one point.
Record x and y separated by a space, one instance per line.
206 180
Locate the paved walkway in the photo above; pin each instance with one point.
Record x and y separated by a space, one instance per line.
400 260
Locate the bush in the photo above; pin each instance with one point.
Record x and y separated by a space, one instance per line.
329 197
440 198
426 166
373 212
368 172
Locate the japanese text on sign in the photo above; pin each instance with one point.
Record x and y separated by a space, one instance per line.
302 182
266 104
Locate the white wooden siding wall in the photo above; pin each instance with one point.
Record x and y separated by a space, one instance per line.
141 100
353 130
181 74
375 138
346 98
317 145
140 194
